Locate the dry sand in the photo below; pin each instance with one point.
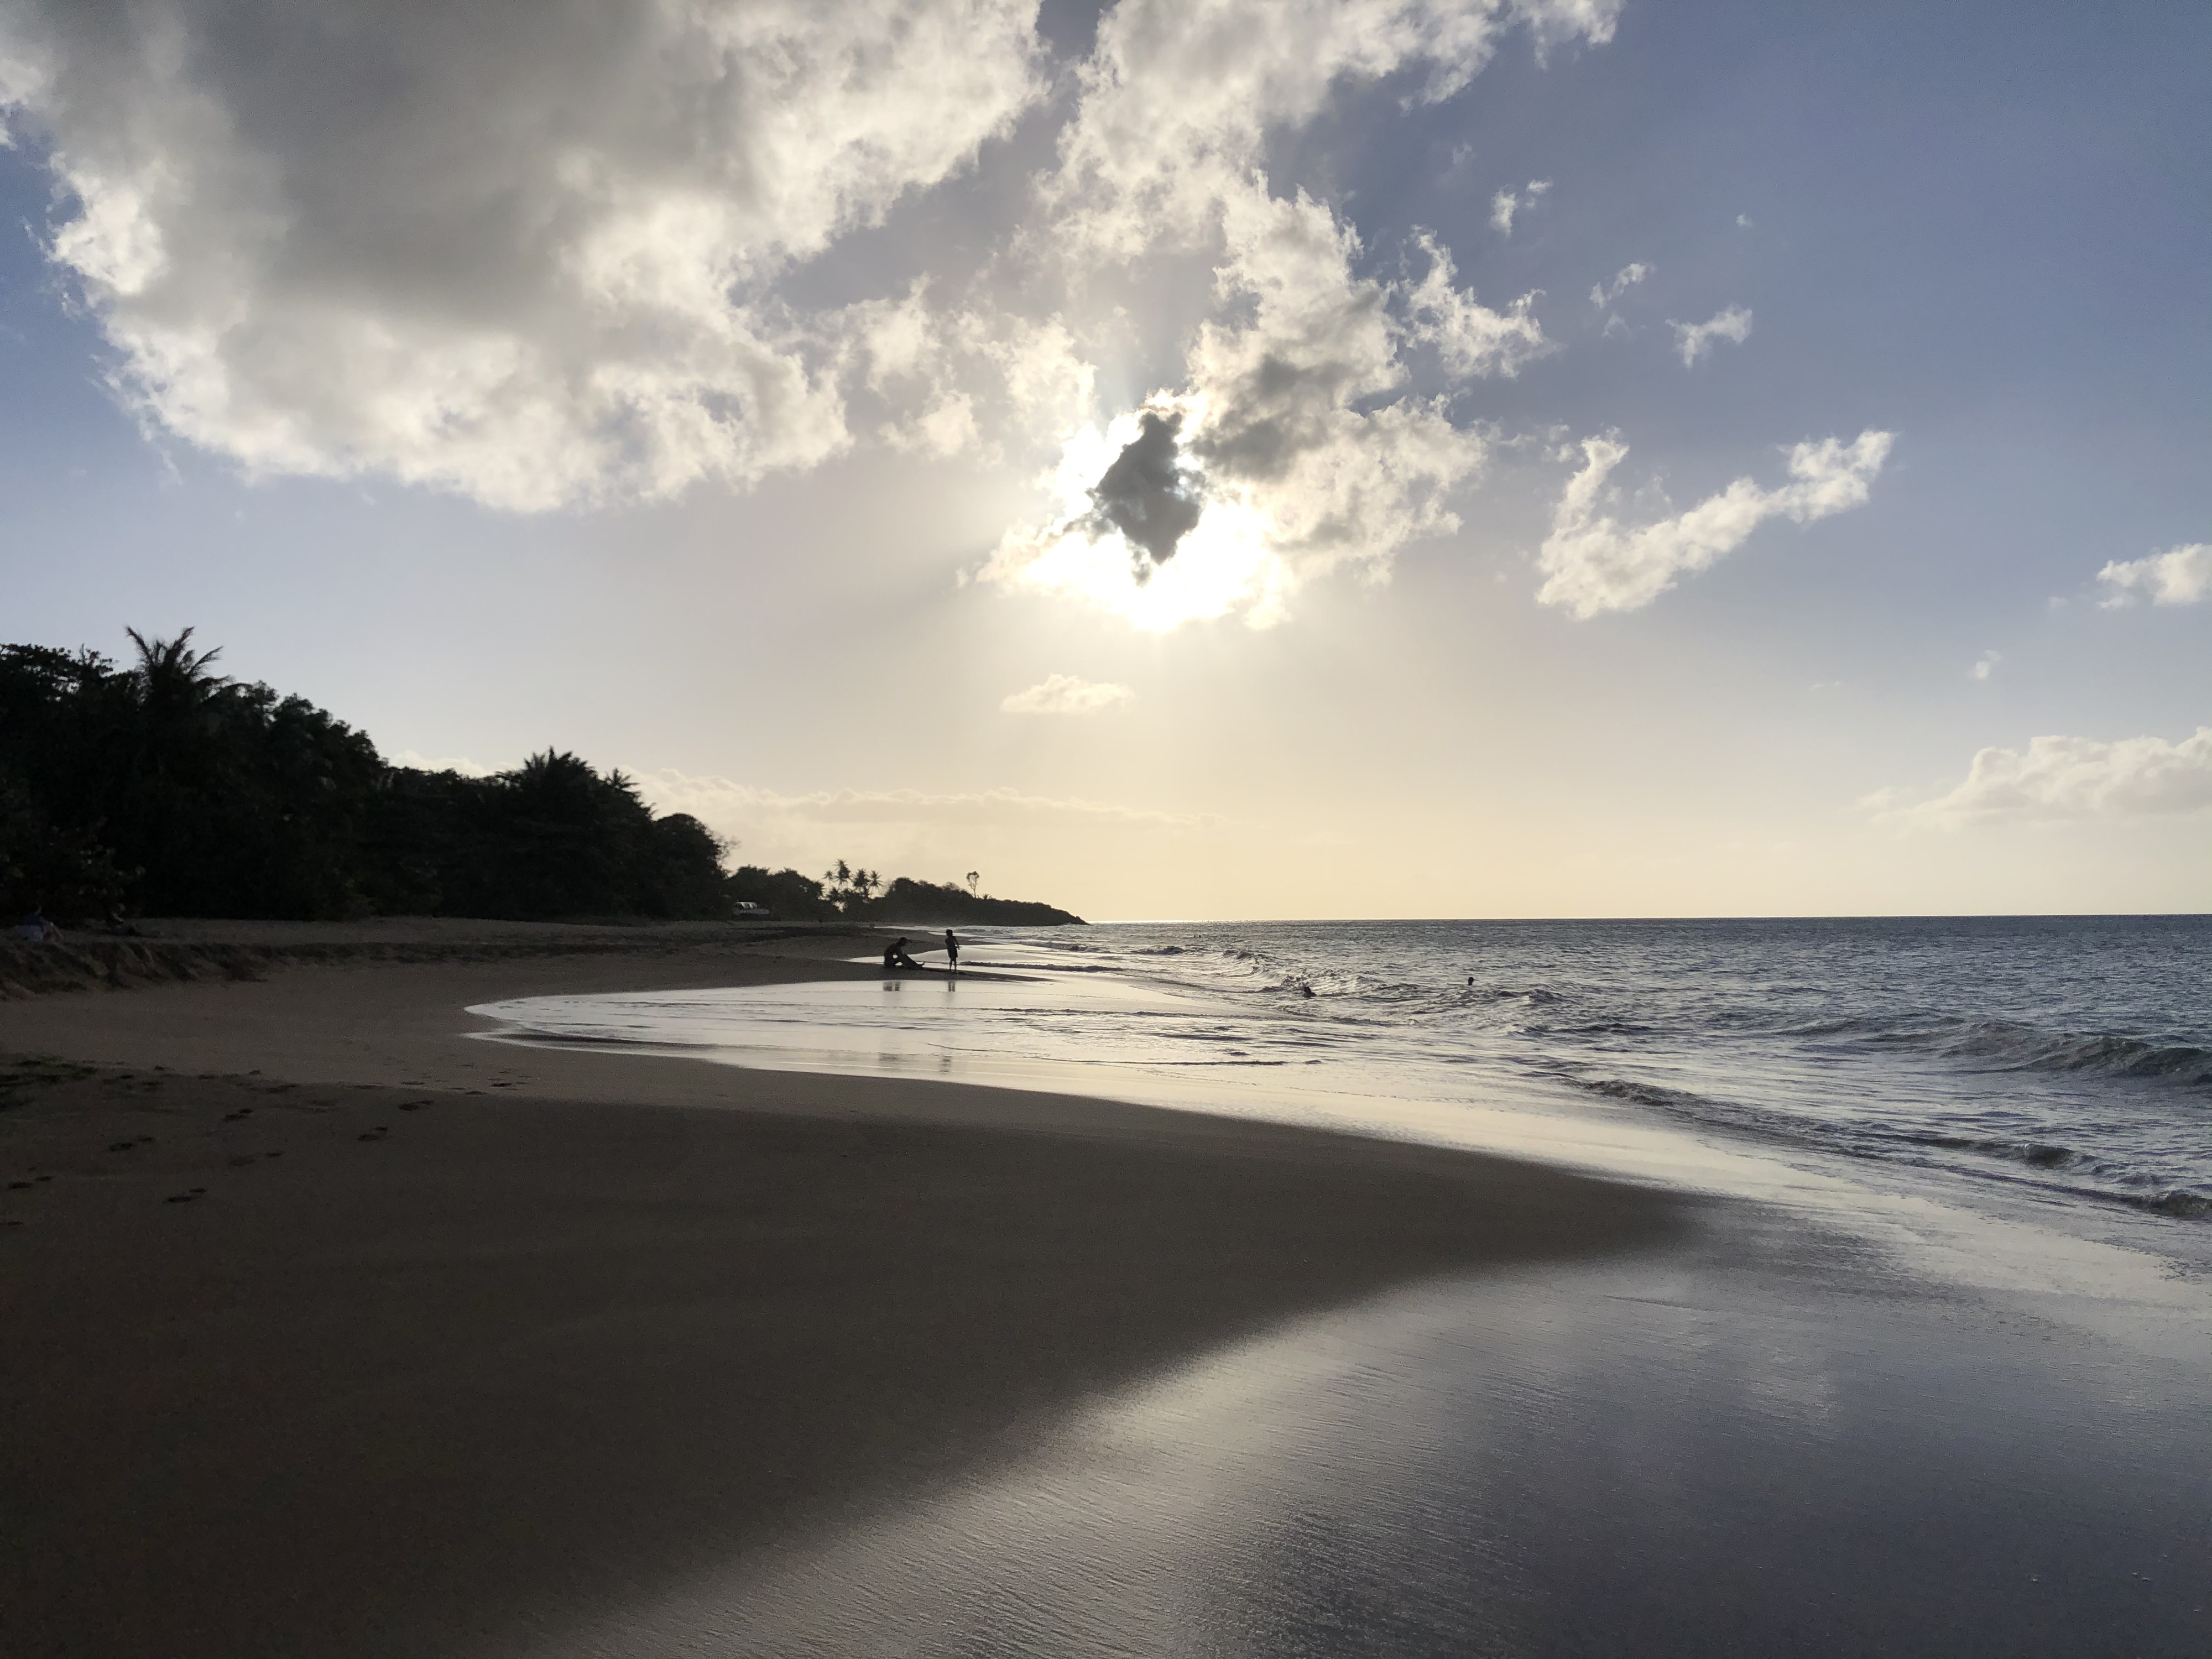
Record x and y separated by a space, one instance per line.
331 1331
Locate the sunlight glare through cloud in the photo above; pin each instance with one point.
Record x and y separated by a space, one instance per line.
1223 564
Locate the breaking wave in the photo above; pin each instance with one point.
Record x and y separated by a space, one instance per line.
1979 1045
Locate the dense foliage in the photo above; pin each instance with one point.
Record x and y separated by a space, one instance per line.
166 789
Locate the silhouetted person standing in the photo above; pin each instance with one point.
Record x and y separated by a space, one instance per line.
952 949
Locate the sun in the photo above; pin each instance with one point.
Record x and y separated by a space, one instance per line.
1224 565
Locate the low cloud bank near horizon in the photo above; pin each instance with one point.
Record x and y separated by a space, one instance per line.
1064 694
2068 777
928 835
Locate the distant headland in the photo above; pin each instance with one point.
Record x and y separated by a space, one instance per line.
164 789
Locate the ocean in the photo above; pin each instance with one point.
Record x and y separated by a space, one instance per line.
2069 1058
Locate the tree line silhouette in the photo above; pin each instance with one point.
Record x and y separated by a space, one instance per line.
165 788
851 895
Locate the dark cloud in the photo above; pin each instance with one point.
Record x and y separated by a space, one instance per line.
1148 494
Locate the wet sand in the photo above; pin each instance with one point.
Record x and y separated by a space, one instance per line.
1743 1442
334 1331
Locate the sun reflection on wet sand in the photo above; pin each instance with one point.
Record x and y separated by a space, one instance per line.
1763 1442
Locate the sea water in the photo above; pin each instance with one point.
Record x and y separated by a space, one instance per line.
2070 1057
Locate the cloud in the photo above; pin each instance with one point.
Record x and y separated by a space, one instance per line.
1505 204
1592 563
1986 664
1148 496
2060 777
1694 340
1469 337
552 260
720 801
1291 434
942 371
1064 694
913 831
2180 575
1606 293
1177 98
908 830
527 254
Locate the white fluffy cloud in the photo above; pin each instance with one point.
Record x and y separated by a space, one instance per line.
527 254
1694 340
1469 337
1064 694
1593 563
2180 575
1178 96
2060 777
935 367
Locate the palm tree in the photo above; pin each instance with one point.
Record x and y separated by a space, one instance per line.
174 679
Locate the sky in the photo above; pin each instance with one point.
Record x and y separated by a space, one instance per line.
1227 459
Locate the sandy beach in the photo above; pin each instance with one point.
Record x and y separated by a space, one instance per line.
334 1331
448 1343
